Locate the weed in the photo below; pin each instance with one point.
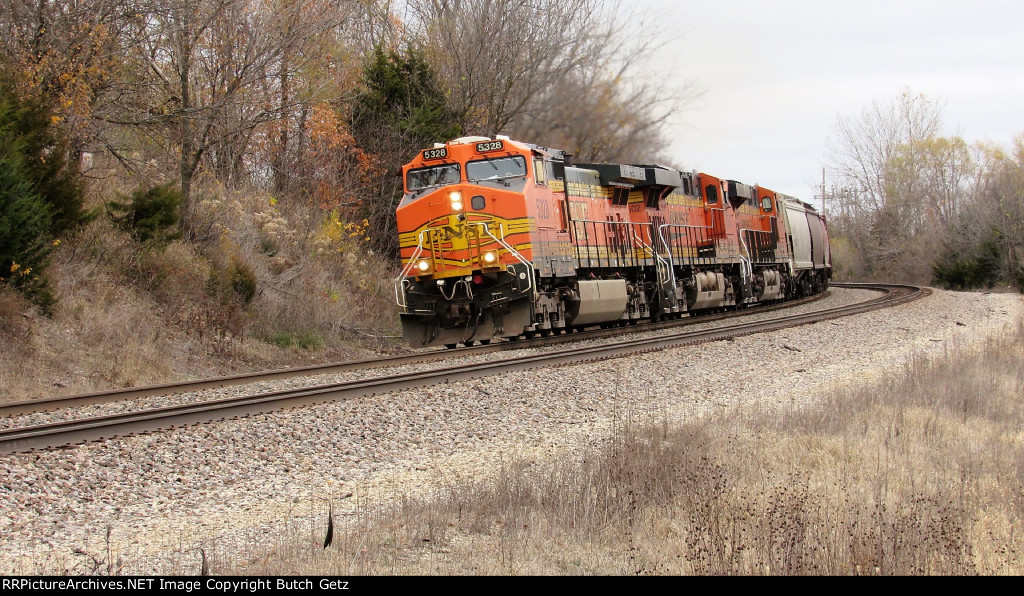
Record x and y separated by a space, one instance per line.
306 340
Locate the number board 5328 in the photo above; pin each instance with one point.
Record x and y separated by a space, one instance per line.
436 153
489 146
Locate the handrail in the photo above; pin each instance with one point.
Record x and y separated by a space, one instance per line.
661 262
399 287
749 272
400 296
746 248
661 230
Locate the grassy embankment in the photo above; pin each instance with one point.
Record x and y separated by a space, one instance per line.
257 284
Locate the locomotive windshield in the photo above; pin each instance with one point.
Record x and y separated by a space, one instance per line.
496 169
433 176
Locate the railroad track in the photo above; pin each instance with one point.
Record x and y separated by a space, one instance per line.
32 406
70 432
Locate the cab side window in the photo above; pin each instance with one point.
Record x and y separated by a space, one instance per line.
711 194
539 173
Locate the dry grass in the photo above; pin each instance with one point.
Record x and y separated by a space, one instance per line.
132 314
922 473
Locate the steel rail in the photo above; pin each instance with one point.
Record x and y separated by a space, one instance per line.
49 404
79 431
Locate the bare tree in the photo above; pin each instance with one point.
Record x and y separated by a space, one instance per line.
597 116
898 177
211 74
329 79
998 209
933 178
865 146
504 60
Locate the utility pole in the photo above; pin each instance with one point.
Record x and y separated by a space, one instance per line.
823 191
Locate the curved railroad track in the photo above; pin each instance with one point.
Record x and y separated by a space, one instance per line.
47 404
70 432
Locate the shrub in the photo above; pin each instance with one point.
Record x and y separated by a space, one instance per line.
307 340
968 269
243 281
12 305
234 283
151 214
231 286
176 278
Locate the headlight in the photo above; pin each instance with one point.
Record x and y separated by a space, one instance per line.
423 266
456 198
490 257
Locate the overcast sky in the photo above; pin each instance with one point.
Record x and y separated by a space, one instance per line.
776 74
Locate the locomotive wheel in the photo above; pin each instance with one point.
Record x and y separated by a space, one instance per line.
451 346
485 342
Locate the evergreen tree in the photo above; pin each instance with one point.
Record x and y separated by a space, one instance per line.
403 108
24 238
976 265
40 194
401 111
151 214
28 124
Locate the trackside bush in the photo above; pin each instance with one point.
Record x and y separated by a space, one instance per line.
968 269
151 214
233 284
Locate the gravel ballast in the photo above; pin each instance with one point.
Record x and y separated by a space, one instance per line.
231 486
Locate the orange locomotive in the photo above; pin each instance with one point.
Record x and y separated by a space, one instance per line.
502 239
